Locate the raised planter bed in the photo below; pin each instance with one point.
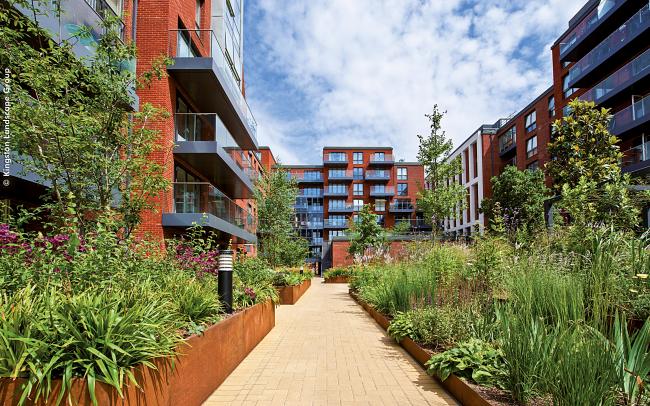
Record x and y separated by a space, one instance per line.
337 279
290 294
202 365
454 385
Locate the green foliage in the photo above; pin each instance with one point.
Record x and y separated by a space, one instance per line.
517 201
72 123
433 327
275 194
473 359
367 237
633 360
290 278
340 271
253 283
440 200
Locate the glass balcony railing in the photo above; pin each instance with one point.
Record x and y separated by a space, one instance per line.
199 43
622 77
342 174
402 206
382 191
588 23
377 175
315 209
335 158
637 154
340 208
381 158
507 141
191 127
202 197
316 241
335 191
310 193
336 223
307 176
624 120
614 42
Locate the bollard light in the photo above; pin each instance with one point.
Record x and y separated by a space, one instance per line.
224 279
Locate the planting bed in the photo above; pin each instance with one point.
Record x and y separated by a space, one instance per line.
462 391
337 279
290 294
203 363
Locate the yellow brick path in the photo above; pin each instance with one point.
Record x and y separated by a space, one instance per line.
325 350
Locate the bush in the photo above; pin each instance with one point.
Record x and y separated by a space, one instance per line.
433 327
253 283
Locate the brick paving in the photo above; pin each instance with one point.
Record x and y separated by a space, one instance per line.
325 350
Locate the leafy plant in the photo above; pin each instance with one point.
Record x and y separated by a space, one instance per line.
401 327
473 359
633 363
367 237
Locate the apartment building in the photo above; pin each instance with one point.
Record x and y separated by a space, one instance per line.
348 178
478 166
214 161
604 57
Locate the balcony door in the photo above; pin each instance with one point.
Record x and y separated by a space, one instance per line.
187 193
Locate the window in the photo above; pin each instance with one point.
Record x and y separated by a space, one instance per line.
337 157
337 188
357 173
358 189
199 10
357 204
566 111
378 188
380 219
476 204
402 173
568 91
402 189
379 156
551 106
531 121
313 175
380 205
336 233
533 166
357 157
475 160
336 204
507 139
531 146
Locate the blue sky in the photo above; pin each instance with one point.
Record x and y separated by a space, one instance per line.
364 72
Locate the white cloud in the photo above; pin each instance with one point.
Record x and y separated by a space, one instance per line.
371 69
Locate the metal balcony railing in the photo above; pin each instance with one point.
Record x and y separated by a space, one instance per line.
197 43
587 25
202 197
625 119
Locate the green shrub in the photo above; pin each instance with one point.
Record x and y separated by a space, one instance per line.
474 359
253 283
433 327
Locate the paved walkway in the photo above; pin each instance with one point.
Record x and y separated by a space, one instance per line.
325 350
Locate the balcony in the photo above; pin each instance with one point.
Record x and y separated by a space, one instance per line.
416 225
300 207
335 160
507 143
401 207
208 74
616 47
336 192
314 209
203 141
336 223
593 27
347 208
307 177
636 73
382 191
340 175
314 225
374 175
316 241
636 160
383 159
202 203
633 118
310 193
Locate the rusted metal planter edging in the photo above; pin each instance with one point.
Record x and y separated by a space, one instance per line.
203 363
459 389
290 294
338 279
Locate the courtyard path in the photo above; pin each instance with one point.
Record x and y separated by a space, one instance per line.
325 350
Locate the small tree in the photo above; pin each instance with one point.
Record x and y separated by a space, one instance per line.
276 194
444 195
72 123
517 202
366 235
587 173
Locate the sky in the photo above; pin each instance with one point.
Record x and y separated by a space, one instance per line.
365 72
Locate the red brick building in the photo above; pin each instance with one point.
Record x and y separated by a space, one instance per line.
350 177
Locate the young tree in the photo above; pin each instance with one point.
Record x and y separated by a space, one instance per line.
444 196
587 173
517 202
276 194
72 122
366 234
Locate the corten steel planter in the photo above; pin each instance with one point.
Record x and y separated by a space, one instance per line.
290 294
337 279
202 365
457 387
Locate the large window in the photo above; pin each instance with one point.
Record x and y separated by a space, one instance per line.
402 189
402 173
531 121
337 157
336 204
337 188
357 204
533 166
507 139
336 233
551 106
357 173
358 189
380 205
531 146
568 91
357 157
